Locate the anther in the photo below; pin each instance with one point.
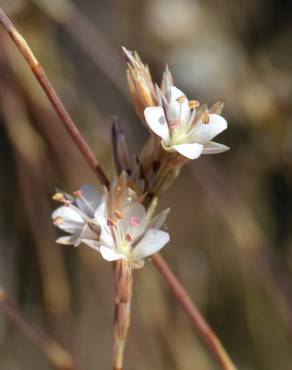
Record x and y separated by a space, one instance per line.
118 214
77 193
194 104
58 221
59 197
129 238
181 99
205 118
111 222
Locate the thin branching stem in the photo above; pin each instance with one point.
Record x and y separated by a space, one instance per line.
59 357
214 345
53 97
205 332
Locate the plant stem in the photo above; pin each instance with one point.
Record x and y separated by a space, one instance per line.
214 345
124 285
40 74
60 358
205 332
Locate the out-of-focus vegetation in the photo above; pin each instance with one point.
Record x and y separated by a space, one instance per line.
231 214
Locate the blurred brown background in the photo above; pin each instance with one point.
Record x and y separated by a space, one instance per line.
231 218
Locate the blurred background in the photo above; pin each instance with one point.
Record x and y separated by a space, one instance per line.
231 219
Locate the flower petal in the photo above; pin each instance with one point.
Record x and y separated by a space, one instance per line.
190 150
106 237
110 254
151 243
134 220
94 244
101 210
67 240
85 233
214 148
159 220
89 200
204 132
157 122
178 106
71 220
174 94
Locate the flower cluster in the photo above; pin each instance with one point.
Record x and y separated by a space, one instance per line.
114 223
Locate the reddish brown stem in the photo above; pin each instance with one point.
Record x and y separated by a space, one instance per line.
60 358
214 345
40 74
124 285
197 319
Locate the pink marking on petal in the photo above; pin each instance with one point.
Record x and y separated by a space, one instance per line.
174 124
135 221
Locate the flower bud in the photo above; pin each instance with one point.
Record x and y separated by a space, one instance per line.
140 84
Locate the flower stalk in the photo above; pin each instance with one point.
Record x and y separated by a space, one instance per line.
124 285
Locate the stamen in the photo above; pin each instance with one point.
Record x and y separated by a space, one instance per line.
190 124
129 237
59 197
194 104
181 99
135 221
58 221
174 123
111 222
77 193
119 215
177 123
205 118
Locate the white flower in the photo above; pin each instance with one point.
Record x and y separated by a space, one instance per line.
183 128
129 234
74 216
124 233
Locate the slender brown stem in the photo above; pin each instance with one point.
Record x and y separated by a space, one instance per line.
214 345
90 39
40 74
60 358
205 332
124 284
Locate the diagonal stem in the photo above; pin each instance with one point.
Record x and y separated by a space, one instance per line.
60 358
204 330
214 345
53 97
